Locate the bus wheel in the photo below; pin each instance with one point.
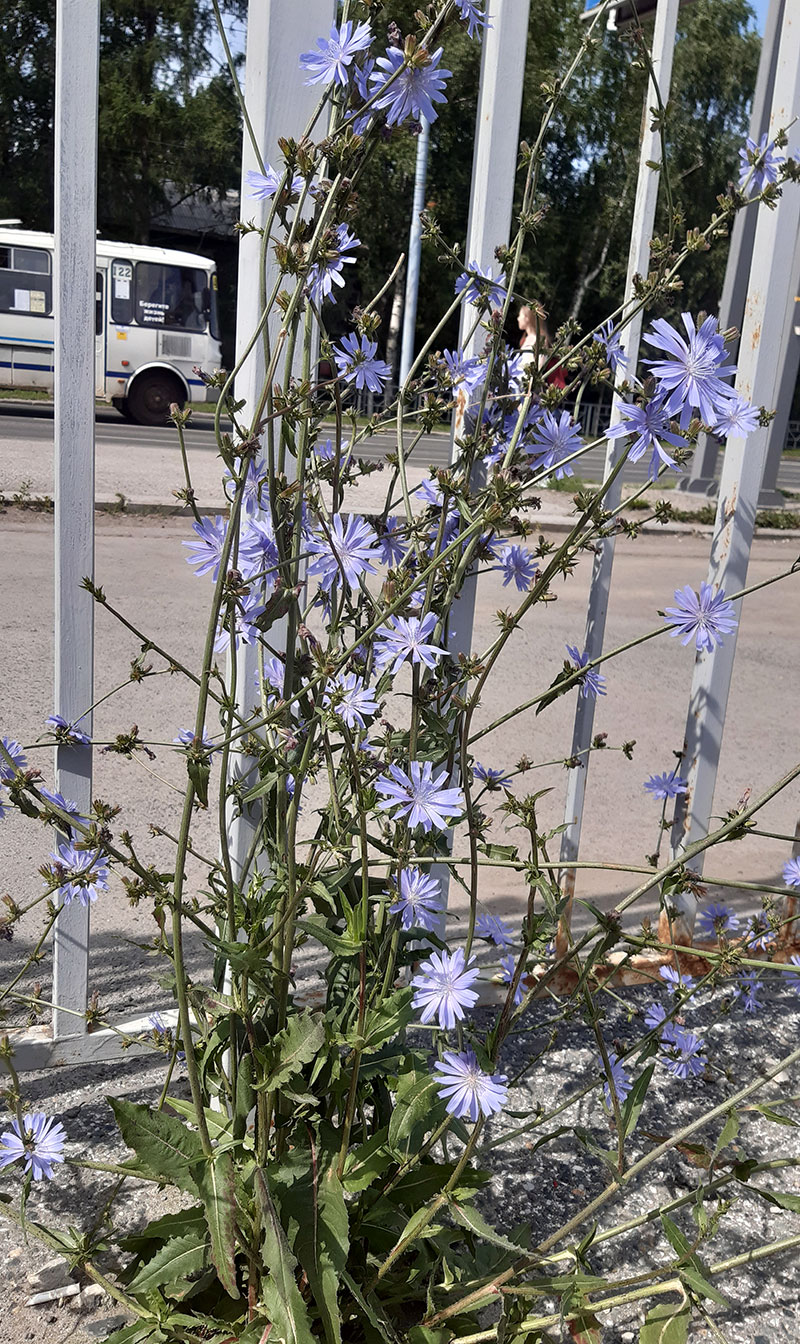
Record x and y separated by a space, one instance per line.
151 396
121 404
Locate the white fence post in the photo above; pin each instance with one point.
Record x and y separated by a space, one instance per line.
279 103
701 477
638 264
77 66
414 252
494 168
768 317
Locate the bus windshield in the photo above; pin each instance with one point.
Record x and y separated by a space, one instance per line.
172 296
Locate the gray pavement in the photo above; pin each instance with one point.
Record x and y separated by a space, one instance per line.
141 565
139 462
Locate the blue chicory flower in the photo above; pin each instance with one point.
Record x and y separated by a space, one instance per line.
666 785
264 185
443 987
424 800
705 617
508 966
330 63
419 903
38 1142
591 683
717 920
691 377
651 426
351 699
478 286
17 755
682 1052
553 440
620 1079
392 549
327 271
762 159
519 567
81 873
675 980
469 1091
357 363
493 779
747 991
791 872
187 738
736 419
471 13
206 552
407 638
69 734
494 930
349 551
414 91
609 338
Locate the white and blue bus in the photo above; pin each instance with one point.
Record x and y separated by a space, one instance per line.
156 320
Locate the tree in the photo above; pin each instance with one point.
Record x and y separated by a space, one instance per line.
161 119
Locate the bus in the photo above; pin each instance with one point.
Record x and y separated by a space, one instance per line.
155 322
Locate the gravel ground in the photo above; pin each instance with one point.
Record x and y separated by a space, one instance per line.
544 1186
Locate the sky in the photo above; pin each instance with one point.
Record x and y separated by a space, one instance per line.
760 7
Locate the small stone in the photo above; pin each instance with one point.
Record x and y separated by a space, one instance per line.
93 1290
102 1329
53 1295
52 1274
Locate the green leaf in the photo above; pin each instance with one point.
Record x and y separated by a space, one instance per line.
585 1329
429 1178
779 1198
178 1259
699 1284
365 1164
729 1133
163 1145
386 1021
140 1332
281 1297
178 1224
777 1118
666 1323
293 1047
335 942
676 1238
311 1203
415 1110
635 1100
217 1191
218 1122
372 1310
474 1222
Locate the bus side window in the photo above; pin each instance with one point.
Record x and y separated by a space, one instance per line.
122 293
25 283
98 304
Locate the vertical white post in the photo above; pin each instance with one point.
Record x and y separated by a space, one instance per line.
494 168
638 264
414 252
279 103
701 478
768 316
77 65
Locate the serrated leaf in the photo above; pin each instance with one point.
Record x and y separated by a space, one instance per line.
385 1022
666 1323
415 1108
218 1122
163 1145
140 1332
281 1296
634 1101
311 1203
293 1047
474 1222
335 942
177 1259
365 1164
217 1191
372 1310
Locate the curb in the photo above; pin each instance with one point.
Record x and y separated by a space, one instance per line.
557 523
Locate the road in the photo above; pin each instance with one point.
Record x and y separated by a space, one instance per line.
141 565
140 463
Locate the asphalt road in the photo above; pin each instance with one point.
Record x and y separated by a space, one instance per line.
141 565
26 436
